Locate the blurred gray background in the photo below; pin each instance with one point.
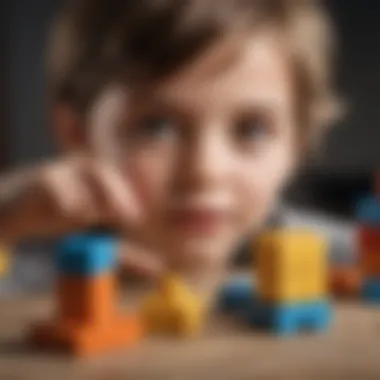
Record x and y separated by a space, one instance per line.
353 147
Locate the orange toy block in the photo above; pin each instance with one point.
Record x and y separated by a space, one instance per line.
86 320
345 281
85 340
86 300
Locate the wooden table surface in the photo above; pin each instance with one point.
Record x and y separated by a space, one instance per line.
226 352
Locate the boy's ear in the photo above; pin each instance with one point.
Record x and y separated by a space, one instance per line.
69 128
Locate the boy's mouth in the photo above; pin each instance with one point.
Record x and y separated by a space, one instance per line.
201 221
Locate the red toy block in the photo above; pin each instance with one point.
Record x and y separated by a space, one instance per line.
370 263
369 250
368 239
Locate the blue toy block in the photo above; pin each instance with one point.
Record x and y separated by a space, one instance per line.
371 290
236 296
289 319
86 255
368 211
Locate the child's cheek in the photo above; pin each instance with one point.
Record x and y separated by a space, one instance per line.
150 176
262 181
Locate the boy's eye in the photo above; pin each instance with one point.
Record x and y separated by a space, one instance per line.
252 129
154 128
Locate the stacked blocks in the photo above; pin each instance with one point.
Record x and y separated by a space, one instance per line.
86 255
86 320
368 215
172 309
291 283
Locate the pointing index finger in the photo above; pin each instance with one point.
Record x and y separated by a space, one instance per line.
104 118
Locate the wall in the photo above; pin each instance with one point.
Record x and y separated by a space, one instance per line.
25 24
351 147
354 145
27 37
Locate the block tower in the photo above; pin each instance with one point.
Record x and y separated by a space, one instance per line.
291 289
86 321
368 244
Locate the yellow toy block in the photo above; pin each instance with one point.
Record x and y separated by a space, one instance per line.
291 266
4 261
173 309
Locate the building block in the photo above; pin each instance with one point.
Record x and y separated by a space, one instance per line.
371 290
291 266
345 281
86 300
86 255
368 211
172 309
370 263
236 295
4 261
84 340
286 319
368 238
86 320
368 244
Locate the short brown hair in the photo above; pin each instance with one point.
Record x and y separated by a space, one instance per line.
94 39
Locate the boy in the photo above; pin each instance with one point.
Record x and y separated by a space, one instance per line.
180 122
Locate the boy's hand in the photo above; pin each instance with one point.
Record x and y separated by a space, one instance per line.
68 196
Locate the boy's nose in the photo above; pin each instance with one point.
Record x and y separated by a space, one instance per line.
205 161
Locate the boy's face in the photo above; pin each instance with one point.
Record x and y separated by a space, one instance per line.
207 150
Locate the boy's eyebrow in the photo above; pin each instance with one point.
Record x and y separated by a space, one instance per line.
159 107
255 104
146 103
148 100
